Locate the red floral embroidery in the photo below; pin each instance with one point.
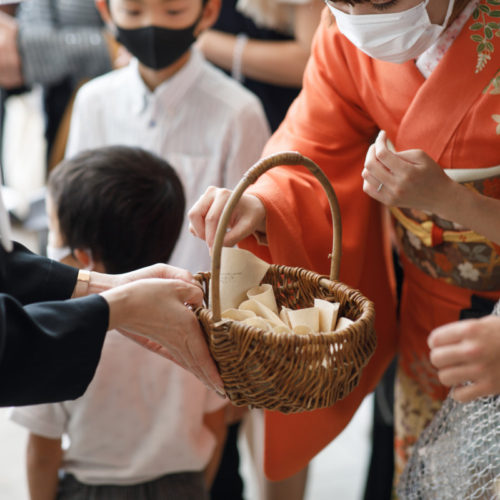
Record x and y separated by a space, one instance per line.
491 188
443 262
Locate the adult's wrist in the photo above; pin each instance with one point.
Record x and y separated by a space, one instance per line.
260 213
82 284
90 282
456 200
120 305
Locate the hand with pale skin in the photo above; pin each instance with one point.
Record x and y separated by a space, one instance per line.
10 60
153 306
248 217
411 179
161 271
466 355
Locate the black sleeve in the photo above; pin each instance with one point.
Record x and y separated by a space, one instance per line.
49 351
31 278
49 346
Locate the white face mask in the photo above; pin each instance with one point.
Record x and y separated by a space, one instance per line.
395 37
58 253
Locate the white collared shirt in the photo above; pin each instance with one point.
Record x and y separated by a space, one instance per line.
205 124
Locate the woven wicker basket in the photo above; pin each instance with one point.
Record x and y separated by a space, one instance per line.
285 371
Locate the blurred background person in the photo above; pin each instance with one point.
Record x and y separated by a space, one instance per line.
265 45
56 44
47 49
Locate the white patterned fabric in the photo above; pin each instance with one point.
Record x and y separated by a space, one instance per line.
427 61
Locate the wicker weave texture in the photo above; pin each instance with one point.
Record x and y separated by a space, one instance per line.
285 371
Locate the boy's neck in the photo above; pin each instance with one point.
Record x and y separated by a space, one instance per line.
155 77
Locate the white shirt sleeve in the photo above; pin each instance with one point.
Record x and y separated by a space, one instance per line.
47 420
249 134
84 128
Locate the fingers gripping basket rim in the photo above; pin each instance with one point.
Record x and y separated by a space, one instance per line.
285 371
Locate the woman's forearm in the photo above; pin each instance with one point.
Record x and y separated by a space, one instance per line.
270 61
88 283
472 210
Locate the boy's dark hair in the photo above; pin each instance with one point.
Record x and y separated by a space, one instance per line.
124 204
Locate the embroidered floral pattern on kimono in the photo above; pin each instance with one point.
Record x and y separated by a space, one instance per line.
496 118
468 264
494 86
487 26
413 411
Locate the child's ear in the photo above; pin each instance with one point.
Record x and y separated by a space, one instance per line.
84 258
210 14
103 8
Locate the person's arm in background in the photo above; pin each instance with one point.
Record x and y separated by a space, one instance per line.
10 61
275 62
43 460
216 423
47 52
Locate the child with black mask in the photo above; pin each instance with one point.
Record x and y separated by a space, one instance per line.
145 429
171 101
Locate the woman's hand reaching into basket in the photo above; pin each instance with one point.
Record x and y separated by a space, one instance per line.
248 217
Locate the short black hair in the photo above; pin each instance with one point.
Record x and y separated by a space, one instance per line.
124 204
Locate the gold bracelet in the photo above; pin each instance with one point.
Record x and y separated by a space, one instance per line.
82 283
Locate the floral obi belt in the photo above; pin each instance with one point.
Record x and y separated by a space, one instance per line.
450 252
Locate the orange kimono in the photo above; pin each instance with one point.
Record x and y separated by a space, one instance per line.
454 116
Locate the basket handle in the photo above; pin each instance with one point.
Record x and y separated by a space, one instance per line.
252 174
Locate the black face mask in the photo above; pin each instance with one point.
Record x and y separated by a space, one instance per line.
157 47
